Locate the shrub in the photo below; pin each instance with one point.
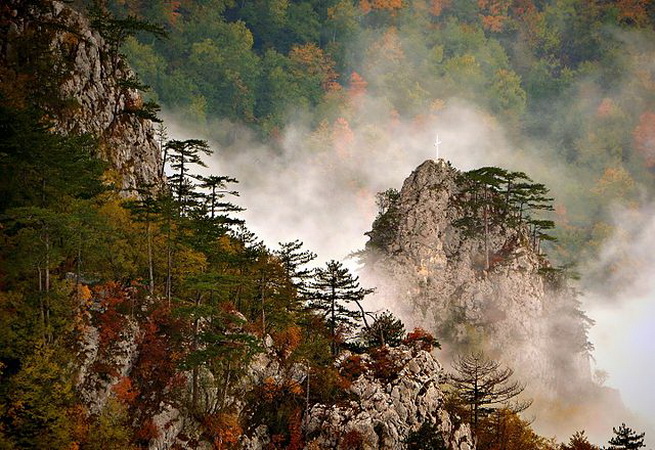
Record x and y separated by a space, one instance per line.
422 340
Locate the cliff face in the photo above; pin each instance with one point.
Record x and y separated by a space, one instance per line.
439 275
51 54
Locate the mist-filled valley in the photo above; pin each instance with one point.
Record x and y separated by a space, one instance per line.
484 167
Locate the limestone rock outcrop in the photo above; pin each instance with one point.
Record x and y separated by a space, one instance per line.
387 407
91 81
438 275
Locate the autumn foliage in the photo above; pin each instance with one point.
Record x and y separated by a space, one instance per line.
644 138
422 340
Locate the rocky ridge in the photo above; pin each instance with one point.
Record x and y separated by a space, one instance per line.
387 410
423 261
91 79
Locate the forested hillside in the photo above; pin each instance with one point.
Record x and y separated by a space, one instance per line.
137 310
568 81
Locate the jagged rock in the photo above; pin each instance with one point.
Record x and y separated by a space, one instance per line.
385 410
94 388
422 260
97 101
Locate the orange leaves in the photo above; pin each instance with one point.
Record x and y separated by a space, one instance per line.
380 5
494 13
644 138
633 11
287 340
124 390
437 6
357 86
272 391
387 4
310 59
224 429
172 8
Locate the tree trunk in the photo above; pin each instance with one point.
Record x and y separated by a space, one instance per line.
151 271
194 371
169 264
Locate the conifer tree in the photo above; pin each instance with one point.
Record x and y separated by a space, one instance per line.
293 260
386 329
184 154
332 291
626 439
485 386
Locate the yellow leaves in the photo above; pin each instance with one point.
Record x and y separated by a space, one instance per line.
310 59
388 48
189 262
83 293
615 183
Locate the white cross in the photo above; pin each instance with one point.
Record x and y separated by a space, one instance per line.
436 144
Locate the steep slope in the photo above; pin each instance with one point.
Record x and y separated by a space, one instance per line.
52 57
515 308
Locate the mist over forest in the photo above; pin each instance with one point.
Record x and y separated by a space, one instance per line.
348 103
315 107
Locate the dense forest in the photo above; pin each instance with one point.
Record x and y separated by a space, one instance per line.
175 261
569 81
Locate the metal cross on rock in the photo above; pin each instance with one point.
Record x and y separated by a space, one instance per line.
436 144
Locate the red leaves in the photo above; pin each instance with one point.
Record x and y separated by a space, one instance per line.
422 340
113 303
644 138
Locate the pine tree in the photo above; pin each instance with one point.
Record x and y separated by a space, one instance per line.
626 439
293 258
183 154
332 291
386 329
484 385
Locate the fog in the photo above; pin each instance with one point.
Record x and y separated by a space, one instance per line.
318 184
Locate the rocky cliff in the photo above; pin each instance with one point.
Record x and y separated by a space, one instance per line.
392 393
388 407
497 293
51 56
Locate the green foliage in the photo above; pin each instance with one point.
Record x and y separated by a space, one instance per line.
332 292
427 437
40 398
386 222
626 438
110 429
386 329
